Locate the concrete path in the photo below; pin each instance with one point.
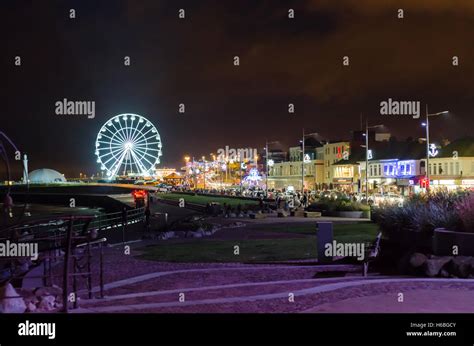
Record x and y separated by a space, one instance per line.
371 294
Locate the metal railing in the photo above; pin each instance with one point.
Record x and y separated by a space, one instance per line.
66 239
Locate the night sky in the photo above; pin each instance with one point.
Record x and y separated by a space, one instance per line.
190 61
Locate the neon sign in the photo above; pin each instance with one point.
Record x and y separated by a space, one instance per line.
433 150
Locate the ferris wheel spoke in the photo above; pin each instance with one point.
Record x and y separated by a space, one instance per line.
112 138
114 152
107 143
122 130
129 129
118 164
138 134
141 139
118 132
110 147
133 129
110 159
144 158
109 137
144 135
149 144
142 168
147 152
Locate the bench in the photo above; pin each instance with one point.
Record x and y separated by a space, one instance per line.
312 214
371 253
297 213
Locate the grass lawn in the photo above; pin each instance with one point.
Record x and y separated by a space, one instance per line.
360 231
203 200
223 250
257 250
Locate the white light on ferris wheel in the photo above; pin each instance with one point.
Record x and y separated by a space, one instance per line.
127 147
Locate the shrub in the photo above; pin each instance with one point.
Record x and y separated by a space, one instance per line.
465 210
333 205
424 213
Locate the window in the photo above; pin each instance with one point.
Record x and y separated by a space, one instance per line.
445 168
457 169
451 168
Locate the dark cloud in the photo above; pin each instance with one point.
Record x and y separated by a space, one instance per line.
190 61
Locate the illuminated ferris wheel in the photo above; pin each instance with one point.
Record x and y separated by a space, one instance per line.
128 144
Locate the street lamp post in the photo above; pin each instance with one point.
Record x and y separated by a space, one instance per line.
194 175
267 158
266 169
186 177
302 165
427 125
303 156
367 127
240 171
204 173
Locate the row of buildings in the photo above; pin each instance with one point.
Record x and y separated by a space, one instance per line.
393 166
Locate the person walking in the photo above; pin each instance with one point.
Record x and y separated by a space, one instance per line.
147 218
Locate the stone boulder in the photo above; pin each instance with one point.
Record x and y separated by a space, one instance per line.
31 307
417 260
10 301
461 266
47 303
434 265
48 291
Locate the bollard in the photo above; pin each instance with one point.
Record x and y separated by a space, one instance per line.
325 236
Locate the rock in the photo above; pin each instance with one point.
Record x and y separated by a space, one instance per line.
180 234
461 266
403 264
47 303
31 307
15 304
232 215
48 291
434 265
417 260
444 273
258 216
167 235
196 234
